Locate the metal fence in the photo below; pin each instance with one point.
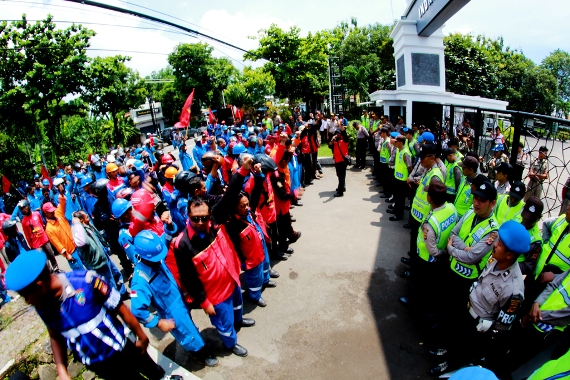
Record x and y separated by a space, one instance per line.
524 134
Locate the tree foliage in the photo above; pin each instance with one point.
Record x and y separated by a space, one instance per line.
248 89
558 64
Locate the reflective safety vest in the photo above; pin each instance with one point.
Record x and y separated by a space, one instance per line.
553 369
450 177
442 221
459 155
559 299
410 146
420 205
472 236
535 236
400 168
365 121
504 212
560 258
385 152
464 198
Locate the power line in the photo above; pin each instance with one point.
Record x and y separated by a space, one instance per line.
92 49
155 19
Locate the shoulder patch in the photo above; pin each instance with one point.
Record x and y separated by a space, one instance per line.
101 286
514 304
492 237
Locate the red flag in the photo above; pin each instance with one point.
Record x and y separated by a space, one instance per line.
45 175
184 119
6 184
211 117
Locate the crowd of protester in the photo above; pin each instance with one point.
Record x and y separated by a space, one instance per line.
183 233
487 287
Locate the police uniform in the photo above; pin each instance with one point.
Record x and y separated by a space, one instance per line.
494 301
402 162
505 208
85 317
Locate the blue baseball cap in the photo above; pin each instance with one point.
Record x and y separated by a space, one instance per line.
515 237
225 128
45 182
394 134
25 269
473 373
498 148
426 136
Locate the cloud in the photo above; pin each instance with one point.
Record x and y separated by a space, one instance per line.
236 29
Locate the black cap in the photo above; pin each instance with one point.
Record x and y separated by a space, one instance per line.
447 151
486 191
543 149
401 138
518 190
477 180
435 187
427 149
469 162
504 167
532 209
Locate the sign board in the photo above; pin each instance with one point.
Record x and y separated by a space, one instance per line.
147 112
430 15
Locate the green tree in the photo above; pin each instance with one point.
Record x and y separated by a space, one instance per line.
39 66
165 93
113 89
298 65
356 81
558 63
248 89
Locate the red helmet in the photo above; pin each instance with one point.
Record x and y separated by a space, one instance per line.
167 159
143 205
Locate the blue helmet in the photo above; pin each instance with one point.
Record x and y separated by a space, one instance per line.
150 247
138 164
45 182
238 149
138 150
86 180
120 206
25 269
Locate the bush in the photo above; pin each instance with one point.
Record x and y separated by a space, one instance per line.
351 132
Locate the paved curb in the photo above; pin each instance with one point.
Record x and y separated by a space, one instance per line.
328 161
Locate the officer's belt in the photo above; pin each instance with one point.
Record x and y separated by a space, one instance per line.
471 311
86 327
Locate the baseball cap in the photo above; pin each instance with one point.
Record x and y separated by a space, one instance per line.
469 162
48 207
486 191
427 149
477 180
25 269
515 237
394 134
543 149
504 167
518 190
532 209
447 151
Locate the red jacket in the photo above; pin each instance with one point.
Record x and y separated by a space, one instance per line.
266 205
33 226
170 262
247 240
282 191
340 150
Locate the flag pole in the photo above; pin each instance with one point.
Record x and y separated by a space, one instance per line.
189 120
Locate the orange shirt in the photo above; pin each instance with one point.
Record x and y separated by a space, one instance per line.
59 230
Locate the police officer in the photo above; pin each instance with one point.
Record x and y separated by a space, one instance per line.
420 205
494 301
453 175
464 198
470 244
429 259
529 217
80 311
153 284
402 169
509 207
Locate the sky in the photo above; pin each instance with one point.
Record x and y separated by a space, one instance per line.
535 27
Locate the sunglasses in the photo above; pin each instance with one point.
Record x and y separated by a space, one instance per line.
197 219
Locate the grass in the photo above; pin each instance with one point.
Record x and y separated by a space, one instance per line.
325 151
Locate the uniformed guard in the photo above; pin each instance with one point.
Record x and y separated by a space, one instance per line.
429 261
464 197
554 369
529 217
494 301
420 205
384 157
453 174
389 180
470 245
509 207
402 169
154 285
80 311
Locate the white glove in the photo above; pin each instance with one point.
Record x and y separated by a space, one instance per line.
484 325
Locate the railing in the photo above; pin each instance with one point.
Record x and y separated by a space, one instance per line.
524 134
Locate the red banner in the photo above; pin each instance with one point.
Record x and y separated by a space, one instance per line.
5 184
211 117
184 120
45 175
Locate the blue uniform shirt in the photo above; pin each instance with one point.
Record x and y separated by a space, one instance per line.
185 160
83 319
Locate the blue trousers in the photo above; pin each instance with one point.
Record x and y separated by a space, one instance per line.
112 275
266 265
254 281
228 313
4 297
